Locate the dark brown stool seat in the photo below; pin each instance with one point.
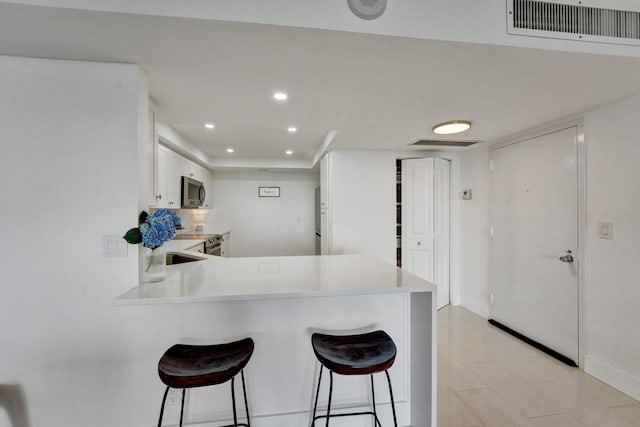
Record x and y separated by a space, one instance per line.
361 354
186 366
355 354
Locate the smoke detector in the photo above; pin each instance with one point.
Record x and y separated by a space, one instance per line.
367 9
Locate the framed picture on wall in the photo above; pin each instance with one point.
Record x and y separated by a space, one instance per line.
268 191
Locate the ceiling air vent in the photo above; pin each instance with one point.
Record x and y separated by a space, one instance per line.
442 143
573 22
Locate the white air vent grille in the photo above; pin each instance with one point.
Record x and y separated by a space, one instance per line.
558 20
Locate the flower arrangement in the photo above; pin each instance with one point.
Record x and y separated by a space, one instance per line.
155 229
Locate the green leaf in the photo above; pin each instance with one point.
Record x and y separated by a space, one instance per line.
133 236
143 217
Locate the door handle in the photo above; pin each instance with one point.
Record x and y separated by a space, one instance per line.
567 258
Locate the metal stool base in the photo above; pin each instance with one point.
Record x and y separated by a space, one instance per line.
233 401
328 416
348 414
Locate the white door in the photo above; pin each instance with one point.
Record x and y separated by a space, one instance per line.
425 222
535 222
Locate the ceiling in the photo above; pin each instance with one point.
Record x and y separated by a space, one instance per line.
377 92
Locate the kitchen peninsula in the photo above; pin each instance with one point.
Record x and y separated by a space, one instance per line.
281 301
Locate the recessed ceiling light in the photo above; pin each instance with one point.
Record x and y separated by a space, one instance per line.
280 96
449 128
209 125
229 150
288 152
292 129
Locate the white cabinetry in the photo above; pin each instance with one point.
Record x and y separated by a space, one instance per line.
193 170
325 212
170 167
150 159
207 179
324 181
168 181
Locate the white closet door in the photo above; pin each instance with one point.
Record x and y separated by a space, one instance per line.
425 222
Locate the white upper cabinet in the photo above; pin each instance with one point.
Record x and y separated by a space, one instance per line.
170 167
168 179
325 177
207 179
174 184
149 176
161 177
325 212
193 170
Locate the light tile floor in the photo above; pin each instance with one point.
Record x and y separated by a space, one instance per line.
488 378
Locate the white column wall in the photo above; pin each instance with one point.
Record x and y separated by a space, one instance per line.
68 176
362 203
474 225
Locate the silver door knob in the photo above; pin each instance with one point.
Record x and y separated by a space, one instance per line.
567 258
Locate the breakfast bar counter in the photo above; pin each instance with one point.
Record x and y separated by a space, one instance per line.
281 301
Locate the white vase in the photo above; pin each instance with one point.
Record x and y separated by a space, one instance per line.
154 268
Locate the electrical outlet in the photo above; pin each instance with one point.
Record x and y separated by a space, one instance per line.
174 396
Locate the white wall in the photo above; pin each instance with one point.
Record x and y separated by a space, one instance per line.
474 225
68 176
266 226
612 291
613 270
362 203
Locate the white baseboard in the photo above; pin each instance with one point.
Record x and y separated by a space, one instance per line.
477 307
617 378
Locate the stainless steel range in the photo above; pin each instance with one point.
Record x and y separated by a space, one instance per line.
213 245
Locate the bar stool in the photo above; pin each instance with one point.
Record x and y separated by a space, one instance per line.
362 354
188 366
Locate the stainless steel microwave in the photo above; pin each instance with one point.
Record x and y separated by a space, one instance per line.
193 193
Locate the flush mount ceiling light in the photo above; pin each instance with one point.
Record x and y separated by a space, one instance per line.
449 128
209 125
280 96
229 150
292 129
288 152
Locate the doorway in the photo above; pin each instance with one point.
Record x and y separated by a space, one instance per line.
536 243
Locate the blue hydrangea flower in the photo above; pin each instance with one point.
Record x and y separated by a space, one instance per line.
159 228
168 214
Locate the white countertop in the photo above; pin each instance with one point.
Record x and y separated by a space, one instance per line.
181 244
226 279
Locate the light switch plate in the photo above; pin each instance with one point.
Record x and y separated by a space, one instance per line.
114 246
605 230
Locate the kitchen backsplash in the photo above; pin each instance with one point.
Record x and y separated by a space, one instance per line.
195 220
